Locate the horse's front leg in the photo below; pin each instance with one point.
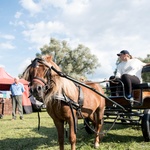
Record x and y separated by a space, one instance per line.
72 134
60 130
99 124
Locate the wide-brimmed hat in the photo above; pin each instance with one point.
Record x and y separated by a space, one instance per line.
123 52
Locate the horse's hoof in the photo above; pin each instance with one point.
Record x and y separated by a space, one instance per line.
96 145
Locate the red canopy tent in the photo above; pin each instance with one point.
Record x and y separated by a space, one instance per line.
6 80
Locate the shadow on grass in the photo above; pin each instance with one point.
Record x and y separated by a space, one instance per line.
120 126
47 137
84 137
122 138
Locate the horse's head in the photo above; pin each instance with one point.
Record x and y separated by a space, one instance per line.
38 73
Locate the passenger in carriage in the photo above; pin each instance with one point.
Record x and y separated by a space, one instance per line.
128 71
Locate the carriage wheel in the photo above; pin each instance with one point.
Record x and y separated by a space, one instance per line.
146 125
88 125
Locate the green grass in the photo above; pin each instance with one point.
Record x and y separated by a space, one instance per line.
24 135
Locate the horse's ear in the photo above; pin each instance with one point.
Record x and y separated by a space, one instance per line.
49 58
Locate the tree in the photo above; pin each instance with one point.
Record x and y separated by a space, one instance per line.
77 62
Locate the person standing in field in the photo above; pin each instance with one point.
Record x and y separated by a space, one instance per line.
17 90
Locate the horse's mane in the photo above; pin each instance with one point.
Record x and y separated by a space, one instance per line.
25 74
59 83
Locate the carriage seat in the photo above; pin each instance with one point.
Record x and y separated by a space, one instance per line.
146 69
142 86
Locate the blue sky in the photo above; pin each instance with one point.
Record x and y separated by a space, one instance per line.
106 27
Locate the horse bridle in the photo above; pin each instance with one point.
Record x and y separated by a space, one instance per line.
45 85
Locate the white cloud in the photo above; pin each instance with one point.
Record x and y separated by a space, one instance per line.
7 36
73 7
40 33
139 2
17 23
6 41
18 15
54 3
6 45
31 6
76 8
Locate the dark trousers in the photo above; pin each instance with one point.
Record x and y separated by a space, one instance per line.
128 81
17 102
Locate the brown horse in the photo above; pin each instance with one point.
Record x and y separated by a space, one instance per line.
64 99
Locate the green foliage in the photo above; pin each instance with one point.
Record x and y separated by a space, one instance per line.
77 62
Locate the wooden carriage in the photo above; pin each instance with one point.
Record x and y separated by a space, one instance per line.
126 111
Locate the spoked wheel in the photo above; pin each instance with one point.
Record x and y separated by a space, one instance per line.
146 125
88 126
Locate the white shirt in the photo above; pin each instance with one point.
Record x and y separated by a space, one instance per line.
132 67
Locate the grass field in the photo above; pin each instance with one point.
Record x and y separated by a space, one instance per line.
24 135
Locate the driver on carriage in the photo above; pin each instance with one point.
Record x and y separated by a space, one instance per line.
129 72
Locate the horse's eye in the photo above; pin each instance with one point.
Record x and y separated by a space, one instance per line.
39 88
